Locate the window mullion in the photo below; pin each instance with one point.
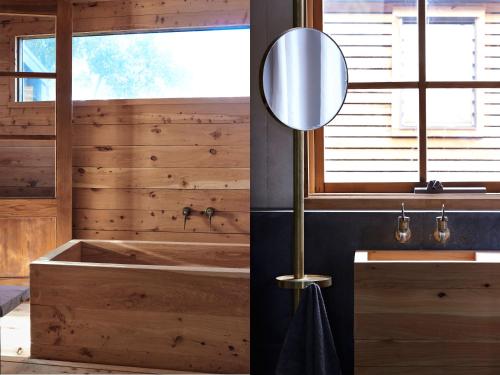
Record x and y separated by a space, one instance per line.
422 94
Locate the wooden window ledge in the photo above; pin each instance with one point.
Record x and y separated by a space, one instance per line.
481 202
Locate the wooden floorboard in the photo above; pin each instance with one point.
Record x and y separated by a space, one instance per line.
15 352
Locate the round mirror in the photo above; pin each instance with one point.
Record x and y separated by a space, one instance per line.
304 79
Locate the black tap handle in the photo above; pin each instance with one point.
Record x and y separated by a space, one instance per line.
210 211
186 211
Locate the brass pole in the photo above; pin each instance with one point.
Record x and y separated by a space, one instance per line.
299 20
299 280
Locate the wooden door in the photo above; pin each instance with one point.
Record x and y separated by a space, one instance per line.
34 221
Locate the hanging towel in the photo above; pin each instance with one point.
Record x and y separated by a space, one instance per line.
309 348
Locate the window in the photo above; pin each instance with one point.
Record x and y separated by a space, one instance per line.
408 120
36 55
207 63
446 63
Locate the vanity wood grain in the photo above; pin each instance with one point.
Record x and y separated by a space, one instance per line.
427 316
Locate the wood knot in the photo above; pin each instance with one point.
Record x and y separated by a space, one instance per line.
104 148
85 352
441 294
154 158
213 151
216 134
177 341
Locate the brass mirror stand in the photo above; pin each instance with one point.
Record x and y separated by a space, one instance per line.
299 280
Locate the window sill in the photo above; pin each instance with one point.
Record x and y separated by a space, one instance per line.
47 104
481 202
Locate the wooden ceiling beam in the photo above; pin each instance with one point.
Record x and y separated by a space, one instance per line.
28 7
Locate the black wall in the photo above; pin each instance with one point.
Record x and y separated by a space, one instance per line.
331 239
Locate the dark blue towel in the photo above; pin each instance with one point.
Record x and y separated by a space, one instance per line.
309 348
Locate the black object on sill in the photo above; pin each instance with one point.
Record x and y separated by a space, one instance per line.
436 187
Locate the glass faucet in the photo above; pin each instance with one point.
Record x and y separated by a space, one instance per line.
403 232
442 232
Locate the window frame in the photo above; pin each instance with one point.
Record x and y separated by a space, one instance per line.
478 17
15 45
356 191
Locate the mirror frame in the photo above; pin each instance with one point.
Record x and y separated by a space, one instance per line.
261 77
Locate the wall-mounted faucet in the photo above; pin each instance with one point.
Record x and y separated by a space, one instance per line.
210 212
403 232
186 212
442 232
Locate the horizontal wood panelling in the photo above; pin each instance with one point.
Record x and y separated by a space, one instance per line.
160 221
431 276
7 192
154 178
130 15
131 158
29 7
160 156
436 370
81 318
27 156
27 176
79 291
471 302
161 134
165 199
164 111
154 7
23 239
426 314
409 326
199 344
166 21
426 355
28 130
161 236
27 207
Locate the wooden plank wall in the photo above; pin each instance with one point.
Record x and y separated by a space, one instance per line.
137 163
365 143
136 167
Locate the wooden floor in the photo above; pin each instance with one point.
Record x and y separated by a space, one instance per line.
15 350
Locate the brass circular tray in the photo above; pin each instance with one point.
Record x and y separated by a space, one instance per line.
289 282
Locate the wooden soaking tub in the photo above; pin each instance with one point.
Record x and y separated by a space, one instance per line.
179 306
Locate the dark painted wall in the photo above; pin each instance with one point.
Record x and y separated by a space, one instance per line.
331 239
272 143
